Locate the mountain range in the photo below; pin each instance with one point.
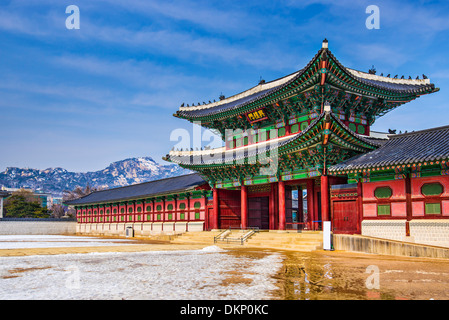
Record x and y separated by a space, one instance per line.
117 174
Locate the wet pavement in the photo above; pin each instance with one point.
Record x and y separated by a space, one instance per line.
318 275
331 275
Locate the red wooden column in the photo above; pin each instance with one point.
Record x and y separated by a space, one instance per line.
310 203
244 206
281 188
272 209
408 199
216 209
360 205
325 197
300 211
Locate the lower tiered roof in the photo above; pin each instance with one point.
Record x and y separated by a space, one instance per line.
142 190
426 147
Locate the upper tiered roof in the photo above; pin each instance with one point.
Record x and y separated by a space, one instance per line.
325 74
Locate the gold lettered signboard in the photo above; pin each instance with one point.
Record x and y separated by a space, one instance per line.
257 115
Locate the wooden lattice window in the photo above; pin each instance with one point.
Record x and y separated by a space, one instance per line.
130 210
159 207
148 208
294 128
281 132
139 209
383 210
352 127
182 206
304 125
197 205
360 129
170 207
432 192
383 192
432 189
433 208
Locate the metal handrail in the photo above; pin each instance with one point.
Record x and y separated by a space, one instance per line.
239 239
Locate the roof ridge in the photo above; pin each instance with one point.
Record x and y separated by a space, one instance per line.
136 184
400 135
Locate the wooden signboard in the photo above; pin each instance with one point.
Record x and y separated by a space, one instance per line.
257 115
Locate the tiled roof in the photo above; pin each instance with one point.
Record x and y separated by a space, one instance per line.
403 86
142 190
261 148
408 148
4 194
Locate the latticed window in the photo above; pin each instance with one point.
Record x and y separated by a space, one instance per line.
360 129
170 207
352 126
294 128
304 125
432 189
433 208
182 206
383 193
432 192
383 210
159 207
197 205
281 132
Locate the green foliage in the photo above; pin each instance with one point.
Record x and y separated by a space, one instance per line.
18 206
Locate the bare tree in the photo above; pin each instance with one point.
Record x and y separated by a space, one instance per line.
77 193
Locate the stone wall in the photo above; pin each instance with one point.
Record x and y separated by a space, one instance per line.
359 243
433 232
139 229
385 229
37 227
430 231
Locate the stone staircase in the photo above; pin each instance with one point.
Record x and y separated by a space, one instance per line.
196 237
305 241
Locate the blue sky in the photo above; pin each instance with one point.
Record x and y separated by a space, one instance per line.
81 99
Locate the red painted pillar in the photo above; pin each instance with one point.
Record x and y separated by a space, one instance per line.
272 209
325 198
300 212
216 209
244 206
310 203
281 188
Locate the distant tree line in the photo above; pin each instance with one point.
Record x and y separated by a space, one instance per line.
25 204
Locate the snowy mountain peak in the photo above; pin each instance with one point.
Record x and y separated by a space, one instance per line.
119 173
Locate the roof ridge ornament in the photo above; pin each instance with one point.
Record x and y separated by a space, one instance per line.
325 44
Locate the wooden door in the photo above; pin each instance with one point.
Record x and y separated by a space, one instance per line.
258 212
344 216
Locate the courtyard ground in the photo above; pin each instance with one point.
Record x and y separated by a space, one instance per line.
81 268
